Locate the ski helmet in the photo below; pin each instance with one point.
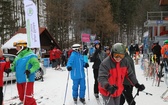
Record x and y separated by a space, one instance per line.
76 47
21 43
96 42
118 48
166 42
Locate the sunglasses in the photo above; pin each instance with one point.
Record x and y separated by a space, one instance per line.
119 55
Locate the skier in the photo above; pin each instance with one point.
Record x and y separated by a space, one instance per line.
97 58
112 72
137 50
107 50
53 57
3 67
58 59
164 52
25 65
131 50
156 49
128 88
91 51
76 66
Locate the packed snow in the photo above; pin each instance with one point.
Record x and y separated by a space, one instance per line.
52 90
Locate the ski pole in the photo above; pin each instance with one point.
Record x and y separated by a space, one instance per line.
147 93
163 94
66 89
5 85
108 100
88 83
134 97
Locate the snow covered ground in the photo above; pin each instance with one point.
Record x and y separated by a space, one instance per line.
52 90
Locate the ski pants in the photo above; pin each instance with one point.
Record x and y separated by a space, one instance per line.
111 100
1 95
96 72
76 84
28 87
127 95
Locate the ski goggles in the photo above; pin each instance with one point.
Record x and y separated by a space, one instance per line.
118 55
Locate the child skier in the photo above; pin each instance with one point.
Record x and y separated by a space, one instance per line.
7 63
25 65
76 66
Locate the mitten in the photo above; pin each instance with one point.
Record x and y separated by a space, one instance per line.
7 71
111 88
69 68
86 65
140 87
27 72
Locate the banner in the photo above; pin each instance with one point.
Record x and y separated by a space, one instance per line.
92 37
32 28
85 37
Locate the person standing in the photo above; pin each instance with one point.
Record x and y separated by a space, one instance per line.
25 65
64 57
97 58
53 57
156 49
58 59
3 68
164 52
76 66
107 51
112 72
131 50
128 88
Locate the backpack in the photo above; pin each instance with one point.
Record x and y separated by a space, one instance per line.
166 52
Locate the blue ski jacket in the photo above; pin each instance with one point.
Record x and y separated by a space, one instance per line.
76 61
26 60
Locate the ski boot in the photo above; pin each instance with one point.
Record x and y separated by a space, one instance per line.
96 95
75 101
82 100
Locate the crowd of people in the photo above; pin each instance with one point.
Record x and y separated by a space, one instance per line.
114 74
113 70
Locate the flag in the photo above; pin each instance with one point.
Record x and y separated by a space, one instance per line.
92 37
85 37
32 28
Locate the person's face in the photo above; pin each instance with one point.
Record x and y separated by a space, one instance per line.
1 53
118 57
97 46
18 48
7 59
108 51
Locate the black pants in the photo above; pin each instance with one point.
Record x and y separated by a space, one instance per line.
1 95
96 72
127 95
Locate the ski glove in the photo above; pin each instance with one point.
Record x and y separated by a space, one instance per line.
27 72
86 65
69 68
111 88
7 71
140 87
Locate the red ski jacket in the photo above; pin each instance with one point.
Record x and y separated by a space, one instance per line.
2 69
113 73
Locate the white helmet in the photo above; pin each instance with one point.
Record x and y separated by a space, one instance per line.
76 47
